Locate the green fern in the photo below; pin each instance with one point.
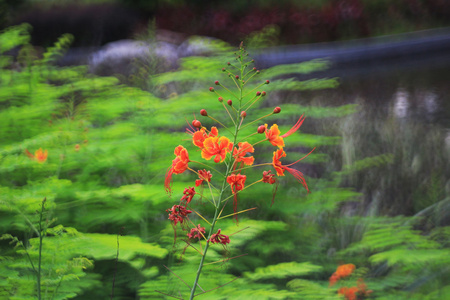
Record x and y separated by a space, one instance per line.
283 270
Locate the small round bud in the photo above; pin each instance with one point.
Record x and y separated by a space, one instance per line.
228 63
220 99
276 110
258 93
216 82
203 112
261 129
211 89
253 61
196 123
243 114
237 76
258 71
230 102
254 69
267 81
223 70
263 93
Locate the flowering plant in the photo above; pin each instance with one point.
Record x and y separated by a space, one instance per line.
233 155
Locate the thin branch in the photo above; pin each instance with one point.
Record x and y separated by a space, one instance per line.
218 287
168 295
177 276
233 214
222 260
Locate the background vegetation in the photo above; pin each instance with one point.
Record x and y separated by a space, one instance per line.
109 146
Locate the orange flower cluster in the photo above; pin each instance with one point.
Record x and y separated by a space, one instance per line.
237 155
355 292
350 293
341 272
40 156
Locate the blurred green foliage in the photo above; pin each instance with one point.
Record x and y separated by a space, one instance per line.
109 146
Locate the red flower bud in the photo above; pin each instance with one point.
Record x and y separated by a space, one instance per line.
211 89
237 76
276 110
203 112
216 82
254 69
258 93
258 71
243 114
228 63
261 129
267 81
230 102
196 123
223 70
220 99
263 93
253 61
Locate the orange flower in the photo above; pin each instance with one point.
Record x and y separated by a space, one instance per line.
203 175
239 153
218 147
40 156
237 183
349 293
179 165
273 134
345 270
341 272
199 136
277 155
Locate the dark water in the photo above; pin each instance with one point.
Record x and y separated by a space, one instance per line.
403 111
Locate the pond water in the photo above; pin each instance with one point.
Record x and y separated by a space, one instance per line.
403 111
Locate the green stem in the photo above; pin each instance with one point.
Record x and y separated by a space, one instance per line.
224 186
41 237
